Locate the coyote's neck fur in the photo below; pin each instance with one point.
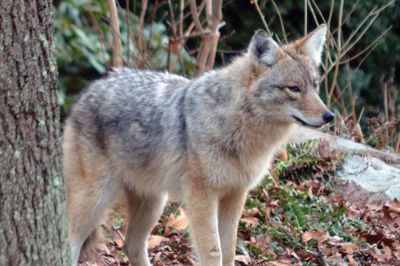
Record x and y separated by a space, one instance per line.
248 132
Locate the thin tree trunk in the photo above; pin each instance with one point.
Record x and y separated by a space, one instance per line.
32 207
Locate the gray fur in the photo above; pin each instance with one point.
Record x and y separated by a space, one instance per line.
123 114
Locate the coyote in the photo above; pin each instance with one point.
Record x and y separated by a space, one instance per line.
205 141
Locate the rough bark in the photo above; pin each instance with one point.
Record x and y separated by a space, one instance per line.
32 207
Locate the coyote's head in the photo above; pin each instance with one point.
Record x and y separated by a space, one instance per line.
287 84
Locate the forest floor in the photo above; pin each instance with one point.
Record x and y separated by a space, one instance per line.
299 215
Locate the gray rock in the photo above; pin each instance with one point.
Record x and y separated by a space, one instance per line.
372 174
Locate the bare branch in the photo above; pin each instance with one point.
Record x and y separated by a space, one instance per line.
208 48
128 50
188 36
117 50
353 8
195 15
203 54
209 12
103 41
189 30
368 48
331 12
339 36
216 14
140 38
305 17
366 55
181 8
173 23
374 14
360 35
280 20
339 54
213 50
262 17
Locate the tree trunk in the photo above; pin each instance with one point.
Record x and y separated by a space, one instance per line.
32 207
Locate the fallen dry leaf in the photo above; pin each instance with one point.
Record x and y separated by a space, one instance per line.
119 242
348 248
394 206
177 223
388 252
282 154
155 240
274 203
253 212
386 213
246 260
250 221
318 235
378 237
279 263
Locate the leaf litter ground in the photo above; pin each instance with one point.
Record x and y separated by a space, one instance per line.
298 215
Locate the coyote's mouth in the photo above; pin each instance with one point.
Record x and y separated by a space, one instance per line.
304 123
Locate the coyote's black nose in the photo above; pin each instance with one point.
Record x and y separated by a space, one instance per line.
328 116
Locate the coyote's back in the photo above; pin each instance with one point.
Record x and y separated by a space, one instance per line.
132 119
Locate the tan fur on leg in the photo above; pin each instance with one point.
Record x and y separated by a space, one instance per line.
230 209
144 212
202 204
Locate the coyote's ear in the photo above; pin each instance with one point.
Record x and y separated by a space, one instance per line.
313 43
264 48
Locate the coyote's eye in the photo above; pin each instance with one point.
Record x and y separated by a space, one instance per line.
294 89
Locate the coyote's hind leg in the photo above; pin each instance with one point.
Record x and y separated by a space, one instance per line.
89 191
86 207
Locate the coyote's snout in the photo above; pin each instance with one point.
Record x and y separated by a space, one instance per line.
310 110
155 136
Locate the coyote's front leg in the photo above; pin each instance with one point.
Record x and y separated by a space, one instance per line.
202 206
230 209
